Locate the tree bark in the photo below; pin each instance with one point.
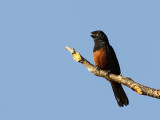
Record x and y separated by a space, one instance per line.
140 89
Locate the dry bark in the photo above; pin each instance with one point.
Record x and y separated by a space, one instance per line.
140 89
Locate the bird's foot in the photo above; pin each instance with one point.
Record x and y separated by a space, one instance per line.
97 68
108 72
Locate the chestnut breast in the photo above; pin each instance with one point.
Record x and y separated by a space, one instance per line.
100 58
105 58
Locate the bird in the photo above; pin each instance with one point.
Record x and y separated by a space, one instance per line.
105 59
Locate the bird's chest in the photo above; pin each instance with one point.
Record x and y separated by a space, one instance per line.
102 58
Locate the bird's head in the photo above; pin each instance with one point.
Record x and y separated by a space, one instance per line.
99 36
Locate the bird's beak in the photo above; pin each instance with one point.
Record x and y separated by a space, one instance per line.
93 35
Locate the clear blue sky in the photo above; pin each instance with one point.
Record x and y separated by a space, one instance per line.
39 80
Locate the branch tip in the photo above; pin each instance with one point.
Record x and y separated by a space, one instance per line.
158 92
70 49
76 56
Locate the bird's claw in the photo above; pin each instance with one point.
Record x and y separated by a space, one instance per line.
108 72
97 68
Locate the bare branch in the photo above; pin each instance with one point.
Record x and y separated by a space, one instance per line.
140 89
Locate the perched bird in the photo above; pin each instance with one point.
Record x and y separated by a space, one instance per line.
105 58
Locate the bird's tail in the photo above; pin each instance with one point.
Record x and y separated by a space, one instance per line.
120 95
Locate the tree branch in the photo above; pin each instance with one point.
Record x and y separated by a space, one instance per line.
140 89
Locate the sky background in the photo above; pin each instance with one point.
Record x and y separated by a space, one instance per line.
39 80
